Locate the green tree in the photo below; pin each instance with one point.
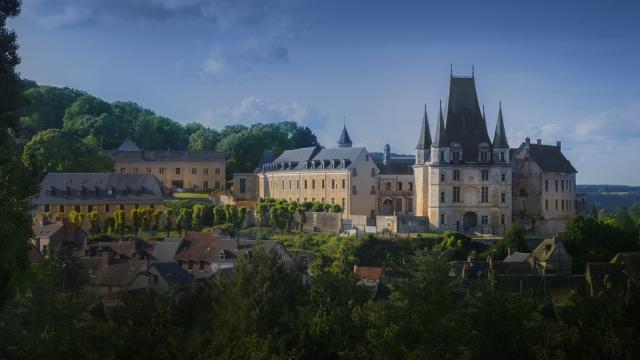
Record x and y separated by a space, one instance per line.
335 208
204 139
219 215
157 218
46 107
136 220
119 222
302 216
90 116
183 221
196 218
168 220
93 222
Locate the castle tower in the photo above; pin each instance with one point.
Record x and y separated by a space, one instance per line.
423 149
345 140
500 143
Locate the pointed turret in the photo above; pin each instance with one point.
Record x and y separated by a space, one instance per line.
500 136
345 140
425 135
440 139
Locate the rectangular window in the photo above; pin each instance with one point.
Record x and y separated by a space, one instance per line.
484 194
456 175
194 171
373 172
546 204
107 208
484 219
442 177
483 156
61 208
441 219
354 191
122 207
344 182
562 203
177 171
366 157
456 194
161 170
354 172
503 197
333 183
76 208
455 156
217 185
344 202
297 184
243 186
485 175
556 185
410 205
556 204
387 186
410 186
282 184
503 177
442 196
399 205
217 171
122 169
135 170
546 185
205 171
46 208
305 183
322 184
562 185
441 156
322 200
502 157
399 186
205 184
313 184
501 219
148 170
290 184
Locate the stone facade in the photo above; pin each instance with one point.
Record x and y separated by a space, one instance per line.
190 170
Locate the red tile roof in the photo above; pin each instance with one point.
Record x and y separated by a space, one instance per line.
199 246
368 272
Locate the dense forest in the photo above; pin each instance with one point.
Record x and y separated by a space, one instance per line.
609 197
63 129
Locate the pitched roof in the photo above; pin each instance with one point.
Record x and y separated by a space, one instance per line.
368 272
119 274
548 157
465 123
297 155
517 257
267 157
232 252
602 275
199 247
171 272
424 142
128 145
345 139
297 158
397 165
165 156
93 188
166 250
440 138
500 135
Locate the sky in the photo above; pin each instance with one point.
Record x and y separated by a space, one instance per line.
564 70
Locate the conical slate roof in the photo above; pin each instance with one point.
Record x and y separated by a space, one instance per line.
345 140
425 135
465 123
128 145
440 138
500 136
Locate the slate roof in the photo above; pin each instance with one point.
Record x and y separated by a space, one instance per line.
45 231
440 139
500 135
295 160
297 155
119 274
172 273
127 152
345 139
464 123
267 157
517 257
424 142
550 158
397 165
166 250
199 247
93 188
233 252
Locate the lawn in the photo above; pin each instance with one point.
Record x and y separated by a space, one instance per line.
191 195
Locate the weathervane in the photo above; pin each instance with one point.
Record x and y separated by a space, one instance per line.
473 70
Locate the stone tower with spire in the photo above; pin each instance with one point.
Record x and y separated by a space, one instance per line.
423 149
465 182
345 140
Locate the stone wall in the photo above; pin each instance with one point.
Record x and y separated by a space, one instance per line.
322 221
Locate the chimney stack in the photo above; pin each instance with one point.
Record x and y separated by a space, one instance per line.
387 154
527 141
559 145
539 141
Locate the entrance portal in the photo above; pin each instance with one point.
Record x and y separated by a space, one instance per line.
387 207
469 220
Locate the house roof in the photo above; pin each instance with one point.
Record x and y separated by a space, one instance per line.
631 262
199 247
166 250
129 151
121 273
267 157
546 249
232 252
368 272
297 155
171 272
440 138
517 257
464 123
397 165
295 160
600 275
46 230
345 139
93 188
548 157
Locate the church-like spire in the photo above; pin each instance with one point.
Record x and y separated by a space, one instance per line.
440 138
500 136
425 135
345 140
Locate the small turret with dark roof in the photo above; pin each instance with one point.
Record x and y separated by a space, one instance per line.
425 135
440 139
500 136
345 140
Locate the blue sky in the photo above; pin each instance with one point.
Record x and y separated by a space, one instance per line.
564 70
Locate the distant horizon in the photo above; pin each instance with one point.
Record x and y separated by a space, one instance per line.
569 74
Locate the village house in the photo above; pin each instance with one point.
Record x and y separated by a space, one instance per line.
50 235
189 170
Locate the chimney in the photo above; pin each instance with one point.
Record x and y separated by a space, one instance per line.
539 141
559 145
527 141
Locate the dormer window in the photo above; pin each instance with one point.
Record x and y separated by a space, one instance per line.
456 152
502 156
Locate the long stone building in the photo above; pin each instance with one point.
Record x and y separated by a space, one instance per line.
459 179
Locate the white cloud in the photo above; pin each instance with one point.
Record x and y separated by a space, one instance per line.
69 15
216 66
253 110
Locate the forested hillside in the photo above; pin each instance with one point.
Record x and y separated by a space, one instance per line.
64 130
609 197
